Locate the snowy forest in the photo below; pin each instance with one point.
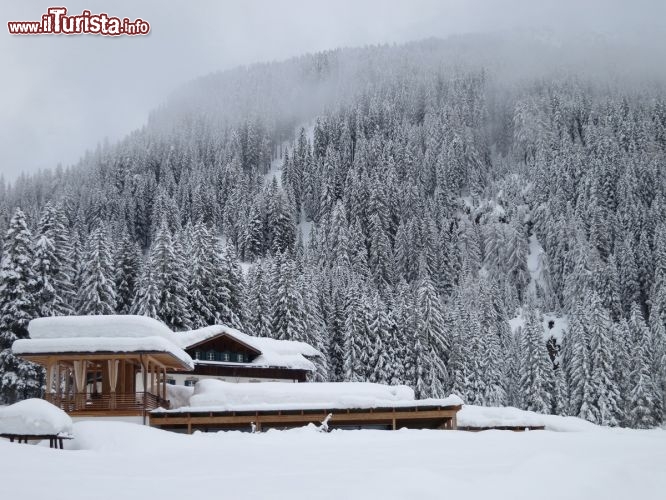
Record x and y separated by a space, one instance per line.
418 216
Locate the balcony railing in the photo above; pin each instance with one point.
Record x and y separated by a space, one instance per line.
135 401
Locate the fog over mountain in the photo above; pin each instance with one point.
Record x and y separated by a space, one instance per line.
63 95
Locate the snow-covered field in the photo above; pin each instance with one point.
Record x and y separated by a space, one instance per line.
110 459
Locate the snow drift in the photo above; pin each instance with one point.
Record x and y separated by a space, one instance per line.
34 417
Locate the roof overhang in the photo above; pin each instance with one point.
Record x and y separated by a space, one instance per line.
160 349
167 360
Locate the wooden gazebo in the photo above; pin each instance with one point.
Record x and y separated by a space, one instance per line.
112 382
102 374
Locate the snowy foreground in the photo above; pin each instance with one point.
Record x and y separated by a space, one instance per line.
109 458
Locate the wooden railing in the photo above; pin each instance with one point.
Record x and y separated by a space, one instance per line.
135 401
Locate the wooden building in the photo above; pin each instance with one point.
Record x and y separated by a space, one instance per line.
104 365
415 415
123 366
224 353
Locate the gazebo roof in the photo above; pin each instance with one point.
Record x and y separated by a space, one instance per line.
101 336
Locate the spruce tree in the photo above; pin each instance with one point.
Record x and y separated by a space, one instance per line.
19 379
434 340
258 301
535 367
643 390
167 274
605 397
287 313
378 329
53 266
97 294
578 365
127 264
231 289
147 300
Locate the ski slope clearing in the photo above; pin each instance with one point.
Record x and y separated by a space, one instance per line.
108 460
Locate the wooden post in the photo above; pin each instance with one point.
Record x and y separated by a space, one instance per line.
121 376
152 377
143 376
67 388
49 380
164 385
57 382
156 380
85 383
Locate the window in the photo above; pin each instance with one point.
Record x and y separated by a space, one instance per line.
171 381
240 358
197 354
190 382
211 355
225 356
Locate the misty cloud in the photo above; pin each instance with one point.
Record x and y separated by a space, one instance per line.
62 95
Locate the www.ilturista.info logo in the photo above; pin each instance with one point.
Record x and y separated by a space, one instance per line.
57 22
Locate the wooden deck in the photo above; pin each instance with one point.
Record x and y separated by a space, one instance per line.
117 404
413 417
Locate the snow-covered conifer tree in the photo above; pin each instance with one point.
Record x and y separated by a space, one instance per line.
605 404
535 366
52 265
19 379
97 294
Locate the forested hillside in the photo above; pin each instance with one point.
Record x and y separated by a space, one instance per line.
419 214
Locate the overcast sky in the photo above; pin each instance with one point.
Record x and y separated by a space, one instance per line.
61 95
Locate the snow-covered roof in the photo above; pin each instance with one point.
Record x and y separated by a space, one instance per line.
101 345
57 327
274 353
100 334
34 417
126 334
506 416
209 395
494 416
